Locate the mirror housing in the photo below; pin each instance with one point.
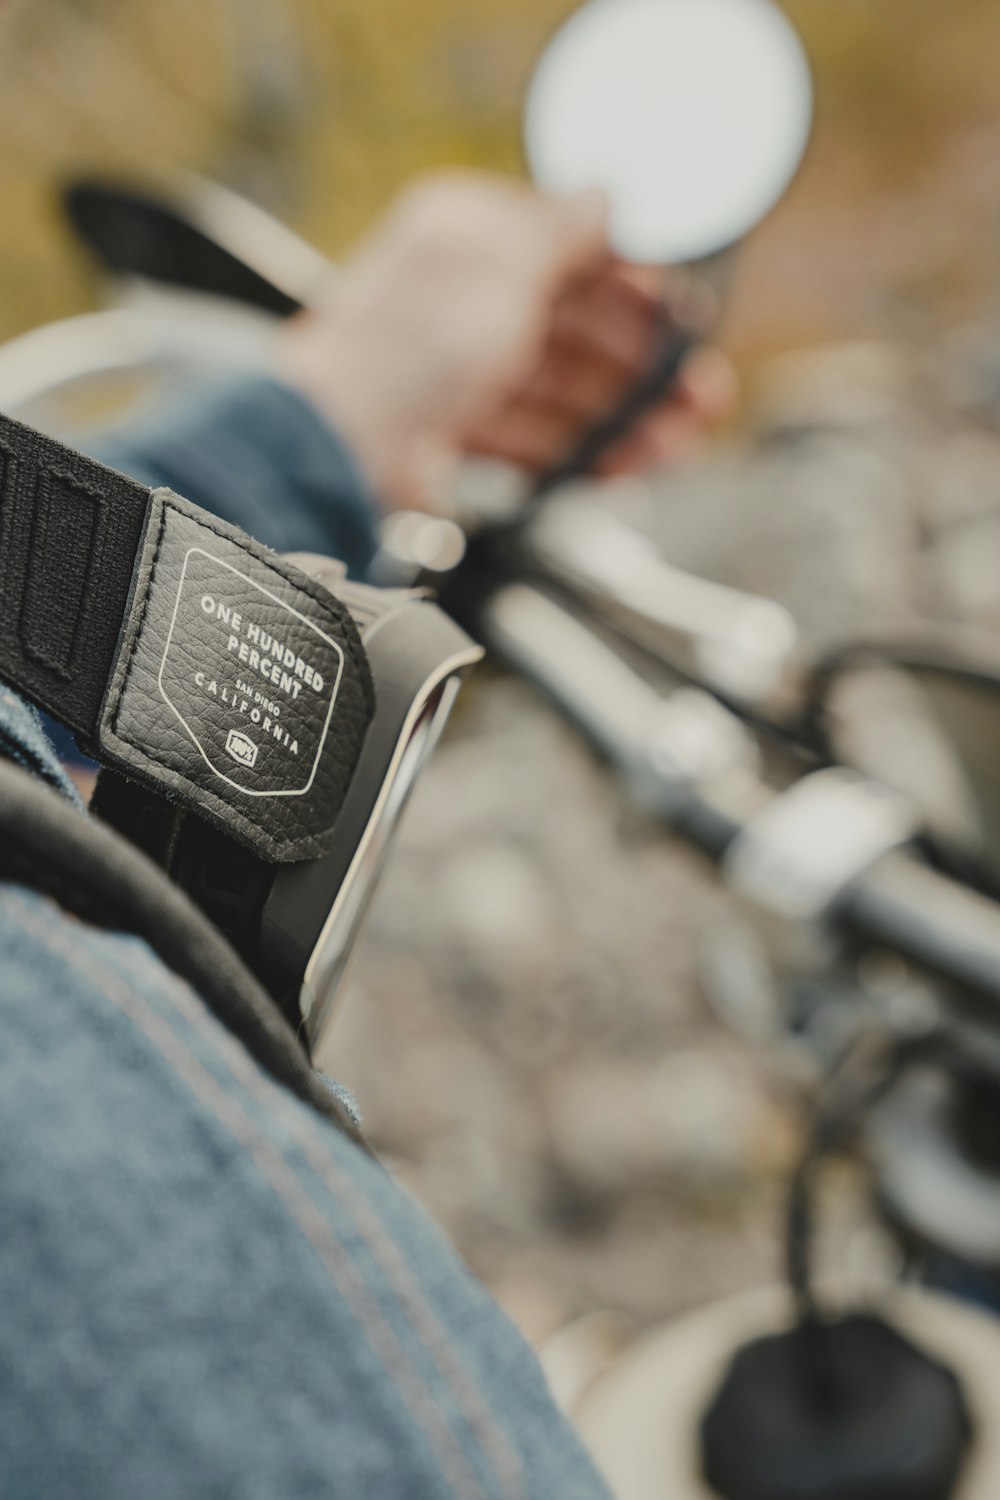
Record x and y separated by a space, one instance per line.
692 115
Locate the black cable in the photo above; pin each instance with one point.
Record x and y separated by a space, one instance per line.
862 1077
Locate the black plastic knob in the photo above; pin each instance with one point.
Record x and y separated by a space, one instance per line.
846 1410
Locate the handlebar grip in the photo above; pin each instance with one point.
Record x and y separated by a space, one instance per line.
898 902
929 919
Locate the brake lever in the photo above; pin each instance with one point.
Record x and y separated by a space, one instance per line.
740 644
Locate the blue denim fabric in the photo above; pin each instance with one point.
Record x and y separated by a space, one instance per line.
254 452
206 1291
23 739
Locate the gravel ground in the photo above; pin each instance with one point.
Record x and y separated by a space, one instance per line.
525 1030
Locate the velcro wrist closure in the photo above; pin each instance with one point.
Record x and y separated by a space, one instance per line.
217 674
240 685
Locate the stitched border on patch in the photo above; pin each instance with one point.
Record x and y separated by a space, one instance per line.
136 758
247 791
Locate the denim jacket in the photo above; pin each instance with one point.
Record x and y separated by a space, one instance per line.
206 1291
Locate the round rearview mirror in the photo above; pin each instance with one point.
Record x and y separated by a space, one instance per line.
692 115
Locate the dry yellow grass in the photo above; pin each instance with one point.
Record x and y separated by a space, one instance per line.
390 87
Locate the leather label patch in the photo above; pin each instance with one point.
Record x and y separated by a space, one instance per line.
241 688
252 680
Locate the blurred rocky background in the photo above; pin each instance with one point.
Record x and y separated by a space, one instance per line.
525 1028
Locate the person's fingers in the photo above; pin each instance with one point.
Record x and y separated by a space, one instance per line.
535 437
608 318
673 436
586 387
426 479
532 435
577 234
582 380
675 432
708 385
651 282
592 356
543 422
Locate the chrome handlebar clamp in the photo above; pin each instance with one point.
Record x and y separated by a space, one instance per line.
793 861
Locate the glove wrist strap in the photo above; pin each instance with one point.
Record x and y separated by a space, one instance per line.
179 651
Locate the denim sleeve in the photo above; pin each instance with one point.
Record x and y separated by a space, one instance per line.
254 452
206 1290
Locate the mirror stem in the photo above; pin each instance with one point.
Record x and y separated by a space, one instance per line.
647 393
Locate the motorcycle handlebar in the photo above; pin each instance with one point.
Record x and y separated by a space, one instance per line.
692 765
929 919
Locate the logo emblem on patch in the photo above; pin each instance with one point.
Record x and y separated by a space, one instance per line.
250 677
242 749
